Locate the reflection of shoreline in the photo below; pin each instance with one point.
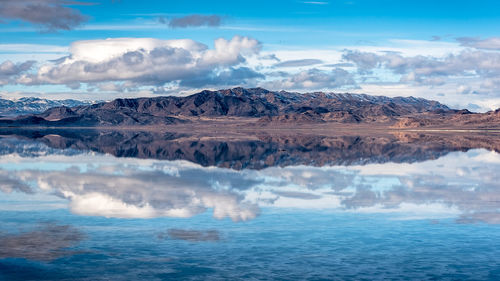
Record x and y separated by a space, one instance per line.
261 150
493 131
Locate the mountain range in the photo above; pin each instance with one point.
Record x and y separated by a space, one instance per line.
31 105
262 108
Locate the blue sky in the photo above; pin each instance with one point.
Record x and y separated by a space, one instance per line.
444 50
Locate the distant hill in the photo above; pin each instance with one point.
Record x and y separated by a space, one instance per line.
31 105
266 107
459 119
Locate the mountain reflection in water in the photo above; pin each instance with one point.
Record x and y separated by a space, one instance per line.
261 149
387 173
123 205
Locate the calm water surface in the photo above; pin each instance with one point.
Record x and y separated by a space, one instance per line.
124 206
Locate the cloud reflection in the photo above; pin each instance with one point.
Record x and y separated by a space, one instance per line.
8 184
463 185
45 243
120 192
191 235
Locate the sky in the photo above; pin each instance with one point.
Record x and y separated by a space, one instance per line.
100 50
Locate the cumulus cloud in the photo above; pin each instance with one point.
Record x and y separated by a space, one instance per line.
49 14
314 79
148 61
298 63
228 77
492 43
10 70
427 70
364 61
194 21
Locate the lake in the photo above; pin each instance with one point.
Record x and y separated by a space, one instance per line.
124 205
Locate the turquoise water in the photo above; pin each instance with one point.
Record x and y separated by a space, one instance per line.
281 244
69 214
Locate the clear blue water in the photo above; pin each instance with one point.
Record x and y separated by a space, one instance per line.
79 215
281 244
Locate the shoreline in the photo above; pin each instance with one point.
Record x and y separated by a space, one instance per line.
210 128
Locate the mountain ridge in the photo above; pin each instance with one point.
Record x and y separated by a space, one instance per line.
33 105
263 106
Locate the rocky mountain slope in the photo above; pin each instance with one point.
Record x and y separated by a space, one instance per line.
461 119
265 106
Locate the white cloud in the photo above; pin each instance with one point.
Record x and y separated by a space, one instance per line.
32 48
492 43
10 70
313 79
460 74
468 78
99 51
407 47
146 61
